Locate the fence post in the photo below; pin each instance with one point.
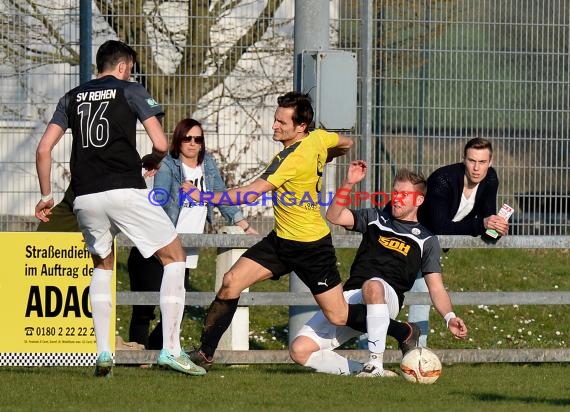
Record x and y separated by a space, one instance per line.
237 335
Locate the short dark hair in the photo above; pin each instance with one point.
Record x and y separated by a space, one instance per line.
180 132
415 178
302 105
112 52
478 143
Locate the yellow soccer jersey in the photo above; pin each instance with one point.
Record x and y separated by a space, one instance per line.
297 173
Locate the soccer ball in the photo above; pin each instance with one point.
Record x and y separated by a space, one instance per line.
420 365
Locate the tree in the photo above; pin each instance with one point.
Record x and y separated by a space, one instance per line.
203 65
203 58
179 63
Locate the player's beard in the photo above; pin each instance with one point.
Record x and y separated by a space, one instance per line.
403 213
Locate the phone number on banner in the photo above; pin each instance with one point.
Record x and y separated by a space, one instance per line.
60 331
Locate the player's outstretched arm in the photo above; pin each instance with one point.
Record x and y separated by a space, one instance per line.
337 213
247 194
442 303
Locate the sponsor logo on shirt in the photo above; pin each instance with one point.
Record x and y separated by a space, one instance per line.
395 244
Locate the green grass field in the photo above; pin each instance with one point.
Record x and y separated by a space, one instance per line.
285 388
465 387
495 387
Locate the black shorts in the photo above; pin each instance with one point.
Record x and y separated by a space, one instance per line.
314 262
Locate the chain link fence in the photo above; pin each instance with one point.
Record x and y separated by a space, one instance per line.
438 73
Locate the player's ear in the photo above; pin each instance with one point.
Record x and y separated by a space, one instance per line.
122 66
301 127
419 199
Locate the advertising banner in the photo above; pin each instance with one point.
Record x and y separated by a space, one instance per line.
44 300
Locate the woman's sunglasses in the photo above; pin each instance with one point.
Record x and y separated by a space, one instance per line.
197 139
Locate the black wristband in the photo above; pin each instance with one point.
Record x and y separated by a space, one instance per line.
157 154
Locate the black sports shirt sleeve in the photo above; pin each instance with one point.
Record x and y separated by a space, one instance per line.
361 219
141 102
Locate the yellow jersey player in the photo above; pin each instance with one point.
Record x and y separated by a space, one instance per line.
301 240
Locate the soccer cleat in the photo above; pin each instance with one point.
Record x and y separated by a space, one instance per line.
181 363
412 341
200 359
104 365
372 371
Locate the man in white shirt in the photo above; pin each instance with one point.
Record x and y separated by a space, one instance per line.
461 199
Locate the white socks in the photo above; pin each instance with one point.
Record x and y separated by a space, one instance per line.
328 361
377 321
172 294
101 307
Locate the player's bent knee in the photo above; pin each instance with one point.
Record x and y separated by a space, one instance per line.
301 349
173 252
298 357
373 291
229 280
229 288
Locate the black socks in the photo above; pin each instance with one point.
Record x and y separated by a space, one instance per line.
399 330
217 321
356 318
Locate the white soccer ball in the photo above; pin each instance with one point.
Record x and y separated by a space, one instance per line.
421 365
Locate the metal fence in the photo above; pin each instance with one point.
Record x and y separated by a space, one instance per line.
229 354
432 74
